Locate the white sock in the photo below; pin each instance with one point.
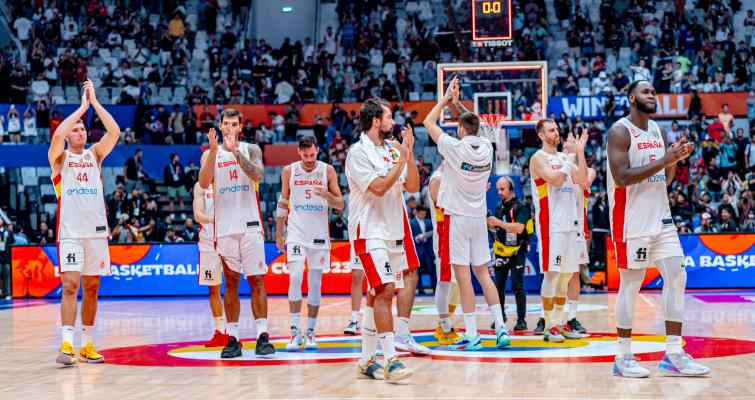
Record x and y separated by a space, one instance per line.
311 322
573 309
470 324
495 309
296 320
673 344
402 326
67 333
355 316
233 329
387 345
445 324
88 330
548 317
625 346
261 325
219 324
369 335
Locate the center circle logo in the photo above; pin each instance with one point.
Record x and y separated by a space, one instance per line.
337 348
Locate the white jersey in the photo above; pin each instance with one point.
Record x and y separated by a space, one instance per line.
468 163
556 208
207 231
237 208
370 216
81 204
641 209
436 213
307 222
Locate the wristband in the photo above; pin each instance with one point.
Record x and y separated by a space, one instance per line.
282 201
281 212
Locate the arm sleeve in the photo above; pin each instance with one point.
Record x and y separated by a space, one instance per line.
360 170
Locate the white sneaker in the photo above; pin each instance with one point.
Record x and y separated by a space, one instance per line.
296 339
682 364
407 343
310 343
352 328
626 365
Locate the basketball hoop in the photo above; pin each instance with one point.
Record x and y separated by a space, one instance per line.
491 125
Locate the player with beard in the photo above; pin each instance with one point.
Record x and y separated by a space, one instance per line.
234 168
308 188
641 164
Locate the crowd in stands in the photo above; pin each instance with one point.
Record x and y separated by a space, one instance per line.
379 49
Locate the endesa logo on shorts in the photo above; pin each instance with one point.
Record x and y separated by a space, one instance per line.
82 191
234 189
306 207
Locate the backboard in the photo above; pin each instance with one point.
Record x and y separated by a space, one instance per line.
514 91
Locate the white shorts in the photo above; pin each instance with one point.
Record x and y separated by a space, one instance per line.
643 252
243 249
316 258
383 261
467 240
210 268
558 253
90 257
583 252
354 262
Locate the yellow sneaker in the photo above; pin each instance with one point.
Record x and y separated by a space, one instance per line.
445 338
371 370
66 355
88 354
396 371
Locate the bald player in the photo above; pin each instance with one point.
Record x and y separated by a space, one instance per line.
641 163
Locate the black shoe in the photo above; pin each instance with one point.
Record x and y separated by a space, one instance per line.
521 325
540 328
232 349
264 348
576 326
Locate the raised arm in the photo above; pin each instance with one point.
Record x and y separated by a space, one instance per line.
541 169
431 120
618 155
581 174
57 143
333 192
198 206
207 163
412 172
102 148
281 212
250 161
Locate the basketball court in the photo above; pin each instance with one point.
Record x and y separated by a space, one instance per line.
153 350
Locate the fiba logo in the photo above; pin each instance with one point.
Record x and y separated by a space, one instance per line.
641 254
296 250
558 260
208 275
71 258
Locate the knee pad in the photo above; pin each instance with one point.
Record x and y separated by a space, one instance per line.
631 281
314 291
674 282
550 281
296 276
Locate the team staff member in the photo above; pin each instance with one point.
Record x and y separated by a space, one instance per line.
510 224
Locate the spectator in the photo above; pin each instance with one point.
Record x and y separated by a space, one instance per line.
284 91
601 83
422 231
40 89
727 221
749 224
190 232
292 121
750 154
30 126
176 27
337 151
19 86
270 228
338 228
14 125
279 126
174 178
170 236
41 236
726 118
706 225
131 174
176 125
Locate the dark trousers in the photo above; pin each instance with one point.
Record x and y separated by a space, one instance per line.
516 266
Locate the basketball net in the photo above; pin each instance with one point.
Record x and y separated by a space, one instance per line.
491 127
